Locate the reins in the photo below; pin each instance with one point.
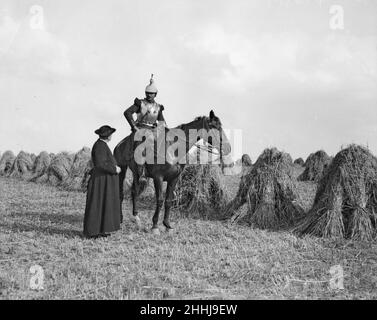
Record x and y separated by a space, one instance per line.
209 148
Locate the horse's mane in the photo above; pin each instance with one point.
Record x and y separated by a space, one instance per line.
182 125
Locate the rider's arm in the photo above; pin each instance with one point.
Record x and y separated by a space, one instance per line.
135 108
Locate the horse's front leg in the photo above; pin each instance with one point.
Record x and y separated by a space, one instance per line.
158 182
134 196
168 202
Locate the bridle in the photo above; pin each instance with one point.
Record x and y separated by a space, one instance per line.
210 148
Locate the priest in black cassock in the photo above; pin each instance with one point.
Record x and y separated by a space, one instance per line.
103 208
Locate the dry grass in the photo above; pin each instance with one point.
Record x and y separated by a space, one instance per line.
246 160
6 162
59 169
78 173
299 162
346 202
269 192
22 166
201 260
40 168
201 191
305 191
316 166
33 157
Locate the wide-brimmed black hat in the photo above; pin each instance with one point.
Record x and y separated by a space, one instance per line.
105 131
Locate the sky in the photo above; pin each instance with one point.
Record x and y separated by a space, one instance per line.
299 75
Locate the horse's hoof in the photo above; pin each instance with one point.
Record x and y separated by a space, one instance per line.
167 226
137 221
156 231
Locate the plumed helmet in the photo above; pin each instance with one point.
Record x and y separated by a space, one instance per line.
151 87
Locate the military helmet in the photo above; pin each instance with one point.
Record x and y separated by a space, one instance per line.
151 88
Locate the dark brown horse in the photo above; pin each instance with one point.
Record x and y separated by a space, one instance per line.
208 128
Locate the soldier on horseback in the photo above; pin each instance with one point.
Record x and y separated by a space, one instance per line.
149 116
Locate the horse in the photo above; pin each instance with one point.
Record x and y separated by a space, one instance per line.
168 171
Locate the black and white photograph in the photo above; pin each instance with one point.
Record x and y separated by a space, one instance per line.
188 155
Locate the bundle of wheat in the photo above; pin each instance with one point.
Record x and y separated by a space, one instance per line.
299 162
269 192
6 162
201 191
33 157
247 164
22 166
86 175
79 170
346 201
59 168
40 168
315 166
246 160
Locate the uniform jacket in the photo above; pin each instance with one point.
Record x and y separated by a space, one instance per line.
147 113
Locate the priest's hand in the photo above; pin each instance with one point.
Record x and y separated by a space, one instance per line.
118 169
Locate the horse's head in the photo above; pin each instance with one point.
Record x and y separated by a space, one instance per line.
217 137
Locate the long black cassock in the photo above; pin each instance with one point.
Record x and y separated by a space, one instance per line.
103 209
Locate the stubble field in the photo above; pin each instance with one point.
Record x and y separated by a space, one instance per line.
202 259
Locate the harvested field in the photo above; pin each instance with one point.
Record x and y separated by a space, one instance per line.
42 225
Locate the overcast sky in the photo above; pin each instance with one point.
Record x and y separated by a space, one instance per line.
278 70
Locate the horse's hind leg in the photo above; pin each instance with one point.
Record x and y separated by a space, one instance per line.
168 202
159 202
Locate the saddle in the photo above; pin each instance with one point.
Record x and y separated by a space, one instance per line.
129 145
